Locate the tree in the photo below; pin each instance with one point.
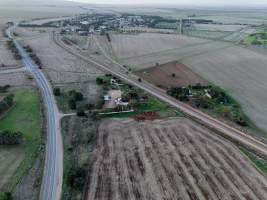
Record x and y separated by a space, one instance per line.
76 178
57 91
80 113
99 81
5 196
78 96
72 104
9 100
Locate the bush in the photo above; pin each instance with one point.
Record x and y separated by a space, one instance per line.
9 100
76 96
76 178
256 42
10 138
81 113
99 81
57 92
72 104
6 103
4 89
5 196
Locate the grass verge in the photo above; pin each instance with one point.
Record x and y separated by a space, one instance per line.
259 163
26 118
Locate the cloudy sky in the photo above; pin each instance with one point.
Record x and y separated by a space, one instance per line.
180 2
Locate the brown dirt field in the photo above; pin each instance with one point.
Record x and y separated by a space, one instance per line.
6 56
16 79
169 159
162 75
60 66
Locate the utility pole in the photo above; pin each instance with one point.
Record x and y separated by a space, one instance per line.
181 26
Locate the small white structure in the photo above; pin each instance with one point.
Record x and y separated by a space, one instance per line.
207 94
84 22
119 102
107 98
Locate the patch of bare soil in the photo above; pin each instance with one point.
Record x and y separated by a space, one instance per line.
169 159
17 79
172 74
60 66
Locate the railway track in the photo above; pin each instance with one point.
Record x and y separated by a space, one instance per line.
219 127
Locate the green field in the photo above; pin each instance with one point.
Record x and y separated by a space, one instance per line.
26 118
259 38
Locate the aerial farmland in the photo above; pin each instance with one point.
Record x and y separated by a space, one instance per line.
168 159
238 70
104 102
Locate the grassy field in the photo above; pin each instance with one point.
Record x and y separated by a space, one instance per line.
259 38
26 118
79 139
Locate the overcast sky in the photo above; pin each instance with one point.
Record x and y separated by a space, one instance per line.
180 2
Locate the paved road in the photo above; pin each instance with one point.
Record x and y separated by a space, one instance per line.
218 126
10 71
52 177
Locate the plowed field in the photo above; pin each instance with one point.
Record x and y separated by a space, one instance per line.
171 74
169 159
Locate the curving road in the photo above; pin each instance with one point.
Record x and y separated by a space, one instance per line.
219 127
53 169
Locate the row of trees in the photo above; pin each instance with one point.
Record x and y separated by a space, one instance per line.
10 138
34 57
11 45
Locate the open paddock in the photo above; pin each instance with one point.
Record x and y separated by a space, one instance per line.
219 27
169 159
171 74
128 46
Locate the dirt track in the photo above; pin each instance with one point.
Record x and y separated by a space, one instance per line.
172 159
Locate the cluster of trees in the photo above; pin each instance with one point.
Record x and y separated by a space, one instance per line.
76 178
28 49
10 138
6 103
74 97
50 25
180 93
11 45
5 196
4 88
210 97
36 59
